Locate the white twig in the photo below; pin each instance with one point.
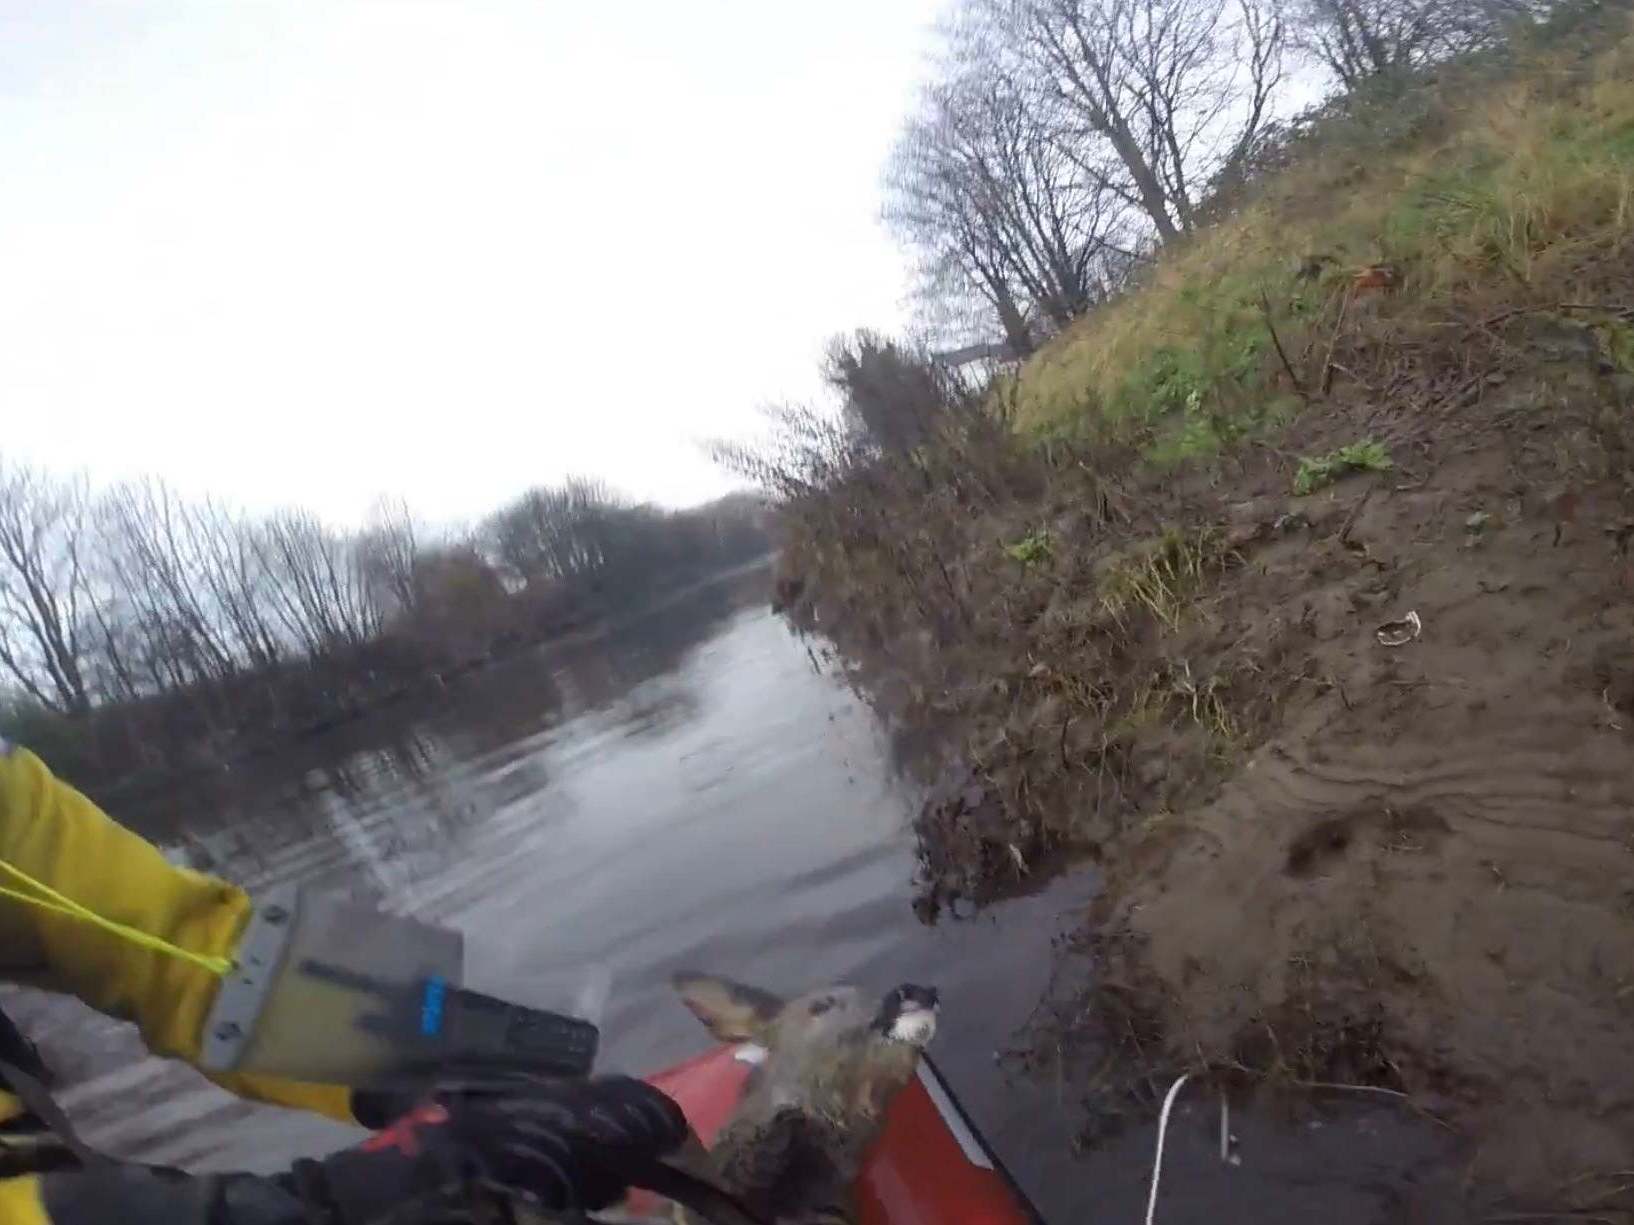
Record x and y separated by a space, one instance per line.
1225 1128
1162 1134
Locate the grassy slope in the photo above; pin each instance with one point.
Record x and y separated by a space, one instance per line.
1478 194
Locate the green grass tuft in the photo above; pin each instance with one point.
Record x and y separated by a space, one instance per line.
1161 576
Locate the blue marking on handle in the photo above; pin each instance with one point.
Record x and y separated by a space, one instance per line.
431 1007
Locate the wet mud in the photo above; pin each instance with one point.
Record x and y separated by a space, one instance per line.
1358 766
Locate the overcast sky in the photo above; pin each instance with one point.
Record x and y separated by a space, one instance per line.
315 251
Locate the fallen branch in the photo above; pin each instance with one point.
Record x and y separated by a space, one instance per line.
1270 326
1608 308
1333 341
1459 396
1355 378
1350 519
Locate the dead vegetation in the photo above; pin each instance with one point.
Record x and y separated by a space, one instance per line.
1105 1032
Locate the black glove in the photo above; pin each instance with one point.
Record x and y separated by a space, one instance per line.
559 1145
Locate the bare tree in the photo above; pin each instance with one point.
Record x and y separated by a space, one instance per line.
1363 40
1059 136
389 551
554 532
43 587
931 208
317 584
1176 91
148 554
982 188
223 546
117 650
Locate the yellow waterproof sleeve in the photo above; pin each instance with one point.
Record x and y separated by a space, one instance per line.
20 1201
52 834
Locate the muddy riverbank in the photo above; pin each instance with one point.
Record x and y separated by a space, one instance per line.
1357 763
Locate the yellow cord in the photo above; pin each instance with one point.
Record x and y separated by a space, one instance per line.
48 898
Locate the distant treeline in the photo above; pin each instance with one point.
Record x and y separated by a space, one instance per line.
141 631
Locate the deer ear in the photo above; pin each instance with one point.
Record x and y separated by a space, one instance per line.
729 1010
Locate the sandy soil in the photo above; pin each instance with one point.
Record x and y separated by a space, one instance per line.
1424 878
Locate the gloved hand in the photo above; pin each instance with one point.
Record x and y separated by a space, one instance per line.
560 1145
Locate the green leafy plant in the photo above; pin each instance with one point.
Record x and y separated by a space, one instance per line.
1316 472
1031 549
1617 343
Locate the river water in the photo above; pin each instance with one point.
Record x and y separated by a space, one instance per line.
687 793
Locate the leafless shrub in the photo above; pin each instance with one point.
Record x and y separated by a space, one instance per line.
43 587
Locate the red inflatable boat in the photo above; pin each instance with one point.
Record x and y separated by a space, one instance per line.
930 1165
